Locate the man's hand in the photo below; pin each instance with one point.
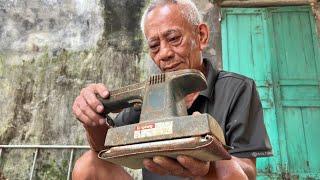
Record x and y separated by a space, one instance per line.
87 107
184 166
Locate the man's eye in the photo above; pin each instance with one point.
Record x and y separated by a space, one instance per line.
154 48
175 39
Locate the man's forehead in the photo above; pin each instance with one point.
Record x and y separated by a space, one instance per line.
165 20
163 10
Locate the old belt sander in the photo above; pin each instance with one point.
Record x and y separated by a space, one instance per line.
164 127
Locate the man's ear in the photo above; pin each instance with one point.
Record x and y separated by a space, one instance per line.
203 30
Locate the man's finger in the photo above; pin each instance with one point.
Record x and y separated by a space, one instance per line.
196 167
171 166
153 167
91 114
92 100
102 90
82 117
196 113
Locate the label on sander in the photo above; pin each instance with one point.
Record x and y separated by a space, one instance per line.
152 129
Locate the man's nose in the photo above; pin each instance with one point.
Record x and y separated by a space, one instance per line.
166 53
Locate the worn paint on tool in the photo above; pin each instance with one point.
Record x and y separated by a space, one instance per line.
153 129
279 49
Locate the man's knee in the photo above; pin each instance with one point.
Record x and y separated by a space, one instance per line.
84 166
89 166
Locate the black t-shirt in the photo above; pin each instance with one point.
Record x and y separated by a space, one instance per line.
233 100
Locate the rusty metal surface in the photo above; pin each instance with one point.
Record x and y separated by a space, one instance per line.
183 126
206 148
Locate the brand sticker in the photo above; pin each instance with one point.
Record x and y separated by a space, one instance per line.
152 129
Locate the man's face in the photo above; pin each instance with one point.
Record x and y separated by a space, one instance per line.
173 42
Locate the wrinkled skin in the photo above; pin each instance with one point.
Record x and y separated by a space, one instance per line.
174 44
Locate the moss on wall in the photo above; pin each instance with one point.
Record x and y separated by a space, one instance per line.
39 81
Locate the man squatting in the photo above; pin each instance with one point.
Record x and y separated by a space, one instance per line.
176 38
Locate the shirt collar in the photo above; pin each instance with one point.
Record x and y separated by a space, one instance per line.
211 77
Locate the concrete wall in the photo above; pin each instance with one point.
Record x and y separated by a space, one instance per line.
49 50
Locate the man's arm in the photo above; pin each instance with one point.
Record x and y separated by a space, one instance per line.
248 165
236 168
87 109
96 136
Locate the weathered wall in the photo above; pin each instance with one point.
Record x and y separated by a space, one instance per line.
49 50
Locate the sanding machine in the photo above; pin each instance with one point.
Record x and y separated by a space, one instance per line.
165 128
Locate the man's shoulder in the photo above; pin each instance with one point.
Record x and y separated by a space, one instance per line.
231 83
234 78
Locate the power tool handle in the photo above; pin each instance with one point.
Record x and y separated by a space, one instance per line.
124 97
115 105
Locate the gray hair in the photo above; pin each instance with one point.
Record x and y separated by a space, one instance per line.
188 10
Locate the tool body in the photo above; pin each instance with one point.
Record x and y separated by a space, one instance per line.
164 127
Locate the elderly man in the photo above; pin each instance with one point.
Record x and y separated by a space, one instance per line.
176 38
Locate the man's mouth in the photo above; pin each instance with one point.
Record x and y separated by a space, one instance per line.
171 67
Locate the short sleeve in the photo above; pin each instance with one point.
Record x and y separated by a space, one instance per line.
245 129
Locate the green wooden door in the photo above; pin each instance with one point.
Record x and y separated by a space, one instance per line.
246 51
278 48
297 74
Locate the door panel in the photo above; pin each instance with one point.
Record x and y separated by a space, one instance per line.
303 125
246 51
295 49
279 49
296 61
295 134
312 125
245 34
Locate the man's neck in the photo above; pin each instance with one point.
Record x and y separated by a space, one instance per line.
204 69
